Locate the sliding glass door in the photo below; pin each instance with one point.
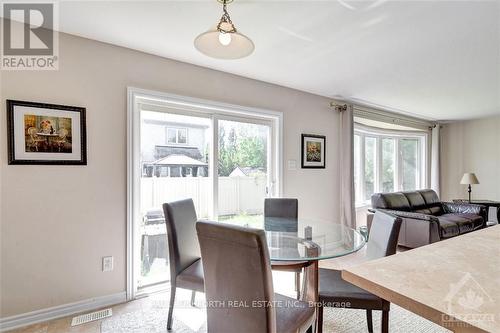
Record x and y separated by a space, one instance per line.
227 162
243 170
175 165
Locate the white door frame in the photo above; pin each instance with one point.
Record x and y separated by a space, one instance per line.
136 96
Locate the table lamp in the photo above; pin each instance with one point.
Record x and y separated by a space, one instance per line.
468 179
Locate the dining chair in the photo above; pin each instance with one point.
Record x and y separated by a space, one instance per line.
239 286
186 270
285 208
334 291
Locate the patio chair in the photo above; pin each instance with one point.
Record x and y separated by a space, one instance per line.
35 140
61 139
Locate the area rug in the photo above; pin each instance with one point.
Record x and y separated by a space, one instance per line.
154 320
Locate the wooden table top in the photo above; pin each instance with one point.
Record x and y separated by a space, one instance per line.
454 283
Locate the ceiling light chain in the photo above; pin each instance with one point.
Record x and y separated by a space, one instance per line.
225 19
223 41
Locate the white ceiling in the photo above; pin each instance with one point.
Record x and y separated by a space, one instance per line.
435 59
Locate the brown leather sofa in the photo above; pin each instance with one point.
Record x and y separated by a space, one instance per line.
426 219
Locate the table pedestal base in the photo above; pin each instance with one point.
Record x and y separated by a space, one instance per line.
310 287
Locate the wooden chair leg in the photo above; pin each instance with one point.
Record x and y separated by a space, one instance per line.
385 321
297 284
369 320
193 296
171 308
319 329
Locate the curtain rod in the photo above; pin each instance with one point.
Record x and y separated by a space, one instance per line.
391 116
338 107
396 119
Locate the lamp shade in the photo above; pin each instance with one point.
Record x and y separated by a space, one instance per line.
224 46
469 178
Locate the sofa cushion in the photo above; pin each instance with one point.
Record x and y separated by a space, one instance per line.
432 202
464 224
417 202
395 201
477 220
415 199
424 211
436 210
448 229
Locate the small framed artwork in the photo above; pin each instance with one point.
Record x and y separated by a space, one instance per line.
313 151
41 133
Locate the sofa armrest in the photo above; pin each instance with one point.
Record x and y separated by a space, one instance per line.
417 229
411 215
463 208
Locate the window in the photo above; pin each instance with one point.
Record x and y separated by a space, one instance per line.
387 161
177 135
370 166
388 164
409 157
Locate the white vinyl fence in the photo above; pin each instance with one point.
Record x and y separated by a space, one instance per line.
237 195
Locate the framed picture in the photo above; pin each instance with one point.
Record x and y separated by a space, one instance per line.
313 151
46 134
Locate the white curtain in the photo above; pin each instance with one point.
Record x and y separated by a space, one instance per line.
436 159
348 213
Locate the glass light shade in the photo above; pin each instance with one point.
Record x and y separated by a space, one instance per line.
211 44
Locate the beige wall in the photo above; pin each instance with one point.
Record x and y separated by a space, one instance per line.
471 146
58 221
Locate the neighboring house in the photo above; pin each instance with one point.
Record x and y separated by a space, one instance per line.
175 165
247 172
173 149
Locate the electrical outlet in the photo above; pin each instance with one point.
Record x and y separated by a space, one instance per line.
107 264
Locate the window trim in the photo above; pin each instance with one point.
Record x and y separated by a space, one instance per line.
422 157
137 98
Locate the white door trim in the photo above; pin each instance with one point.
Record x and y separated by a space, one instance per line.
137 96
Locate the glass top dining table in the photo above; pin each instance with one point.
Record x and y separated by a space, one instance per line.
304 239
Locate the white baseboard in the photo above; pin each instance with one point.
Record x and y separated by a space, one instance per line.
9 323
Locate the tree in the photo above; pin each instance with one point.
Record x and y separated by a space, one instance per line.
251 152
240 149
227 152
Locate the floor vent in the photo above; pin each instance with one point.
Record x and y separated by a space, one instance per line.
87 318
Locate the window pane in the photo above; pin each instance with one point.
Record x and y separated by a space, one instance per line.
182 135
171 135
409 156
388 165
370 158
357 173
170 173
243 171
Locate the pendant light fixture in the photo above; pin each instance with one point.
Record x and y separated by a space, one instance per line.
224 41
